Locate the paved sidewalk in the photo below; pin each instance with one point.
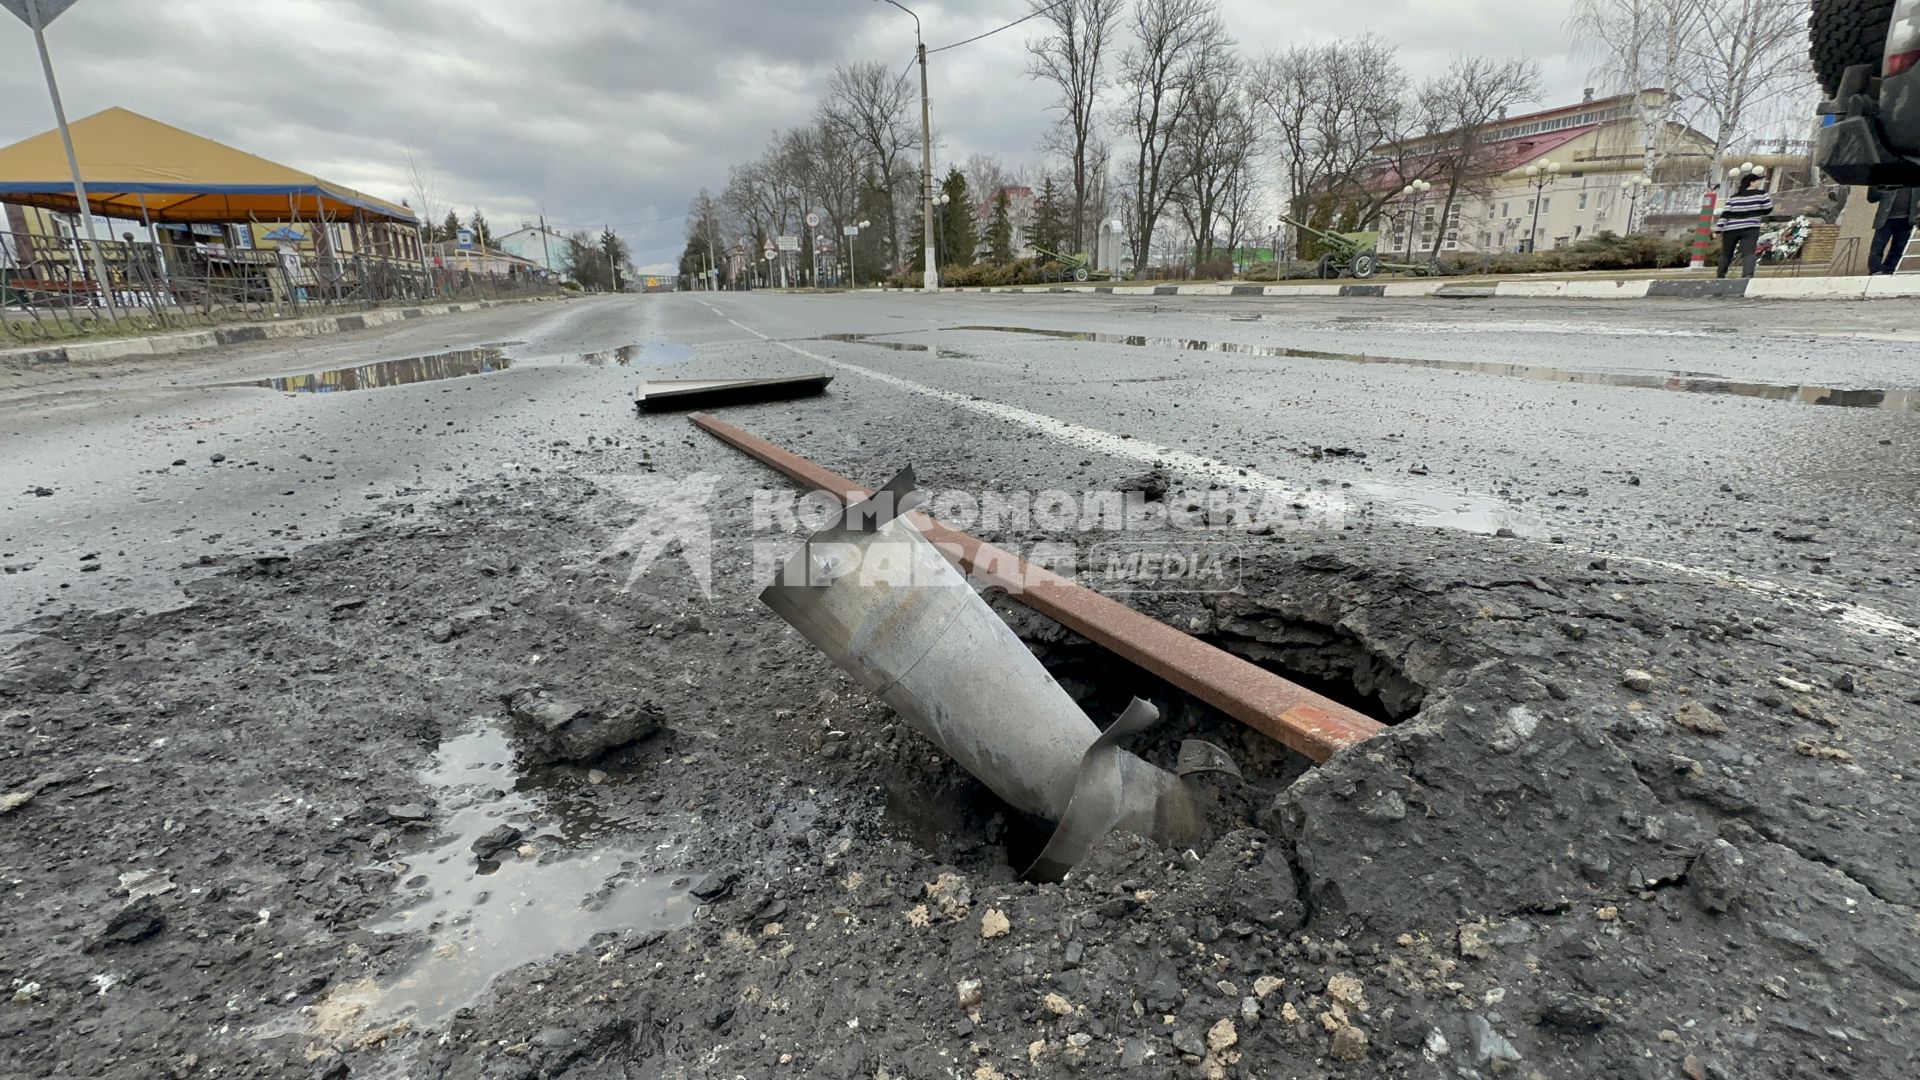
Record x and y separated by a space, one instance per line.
237 334
1862 287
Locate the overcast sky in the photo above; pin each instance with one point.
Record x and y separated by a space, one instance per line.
614 111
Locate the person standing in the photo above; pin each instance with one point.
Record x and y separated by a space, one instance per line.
1739 225
1892 227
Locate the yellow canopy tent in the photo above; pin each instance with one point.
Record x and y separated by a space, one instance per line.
138 168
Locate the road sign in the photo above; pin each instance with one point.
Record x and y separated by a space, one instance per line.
813 220
849 230
49 10
466 239
770 254
788 243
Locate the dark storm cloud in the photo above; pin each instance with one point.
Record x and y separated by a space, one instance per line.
604 111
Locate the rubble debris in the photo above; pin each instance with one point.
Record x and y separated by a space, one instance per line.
1349 1043
495 840
1718 877
1152 485
1698 718
994 924
136 922
554 729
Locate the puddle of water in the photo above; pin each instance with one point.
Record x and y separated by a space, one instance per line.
462 363
455 364
481 925
896 346
652 352
1898 399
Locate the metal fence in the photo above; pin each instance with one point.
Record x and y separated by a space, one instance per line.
49 290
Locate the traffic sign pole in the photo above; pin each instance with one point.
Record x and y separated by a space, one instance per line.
37 14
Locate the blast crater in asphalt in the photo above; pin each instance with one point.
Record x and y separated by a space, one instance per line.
955 818
1896 399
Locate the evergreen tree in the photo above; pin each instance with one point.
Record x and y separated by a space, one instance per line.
482 236
1000 230
959 237
1049 225
450 228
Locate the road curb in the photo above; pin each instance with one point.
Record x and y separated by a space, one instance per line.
238 334
1775 288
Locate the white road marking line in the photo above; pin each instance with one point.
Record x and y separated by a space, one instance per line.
1853 616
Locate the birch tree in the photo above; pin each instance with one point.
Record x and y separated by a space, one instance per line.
1746 55
1640 45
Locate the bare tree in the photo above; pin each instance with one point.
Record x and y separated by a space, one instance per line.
426 196
1177 45
986 174
1641 45
1463 104
1744 56
872 108
1070 57
1328 109
1214 148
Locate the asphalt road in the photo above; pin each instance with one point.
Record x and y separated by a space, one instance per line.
1632 583
1765 444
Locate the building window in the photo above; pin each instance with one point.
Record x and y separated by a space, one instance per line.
1503 210
1546 205
1583 201
1452 245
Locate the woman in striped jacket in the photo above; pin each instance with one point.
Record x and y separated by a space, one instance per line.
1739 225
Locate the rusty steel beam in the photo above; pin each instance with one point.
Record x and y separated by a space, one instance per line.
1302 720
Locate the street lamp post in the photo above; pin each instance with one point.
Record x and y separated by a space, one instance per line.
1417 189
935 241
1631 189
1539 177
851 232
930 278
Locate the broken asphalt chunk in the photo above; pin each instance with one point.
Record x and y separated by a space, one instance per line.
554 729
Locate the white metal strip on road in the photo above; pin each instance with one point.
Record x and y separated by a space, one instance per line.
1323 506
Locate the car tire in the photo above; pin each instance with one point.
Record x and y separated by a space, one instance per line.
1845 33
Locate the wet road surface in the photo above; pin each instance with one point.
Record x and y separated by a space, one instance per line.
1767 441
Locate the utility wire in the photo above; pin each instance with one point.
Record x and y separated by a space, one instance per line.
1030 15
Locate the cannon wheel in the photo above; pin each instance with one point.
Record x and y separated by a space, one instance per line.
1079 273
1365 264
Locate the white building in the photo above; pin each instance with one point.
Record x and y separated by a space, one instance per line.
1595 144
537 244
